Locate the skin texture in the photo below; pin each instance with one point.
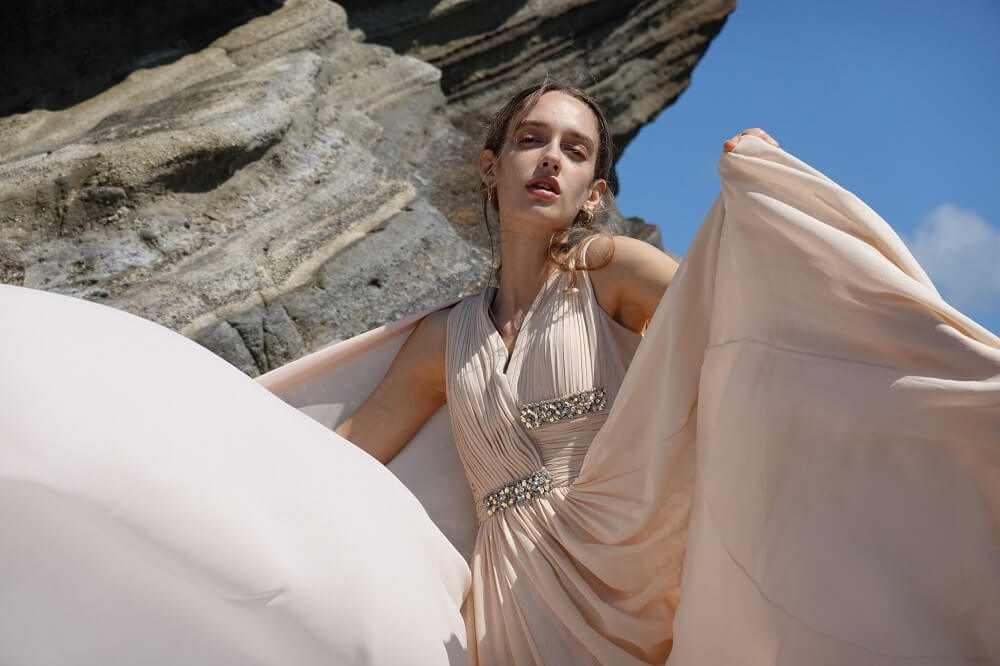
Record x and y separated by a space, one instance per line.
556 140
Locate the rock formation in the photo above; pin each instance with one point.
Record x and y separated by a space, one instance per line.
291 183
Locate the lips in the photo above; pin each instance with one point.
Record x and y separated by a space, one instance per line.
546 187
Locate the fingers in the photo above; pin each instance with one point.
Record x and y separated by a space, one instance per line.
729 144
762 134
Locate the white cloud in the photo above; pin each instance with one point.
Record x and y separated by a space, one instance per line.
961 253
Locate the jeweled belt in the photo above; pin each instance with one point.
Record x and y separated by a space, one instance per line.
517 491
557 409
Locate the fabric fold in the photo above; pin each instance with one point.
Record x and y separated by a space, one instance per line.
805 447
160 507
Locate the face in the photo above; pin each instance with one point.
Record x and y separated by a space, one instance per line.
545 173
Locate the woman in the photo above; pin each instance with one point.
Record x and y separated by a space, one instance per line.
588 522
797 465
564 324
545 133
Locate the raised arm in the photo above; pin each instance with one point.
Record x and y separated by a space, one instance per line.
412 389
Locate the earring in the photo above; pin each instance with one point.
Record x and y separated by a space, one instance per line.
489 195
585 217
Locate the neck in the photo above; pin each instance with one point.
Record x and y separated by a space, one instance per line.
525 268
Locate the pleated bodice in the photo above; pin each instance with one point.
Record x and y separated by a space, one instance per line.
568 348
549 583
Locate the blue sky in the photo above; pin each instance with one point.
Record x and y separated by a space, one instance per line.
899 102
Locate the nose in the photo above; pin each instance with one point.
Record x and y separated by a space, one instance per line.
551 162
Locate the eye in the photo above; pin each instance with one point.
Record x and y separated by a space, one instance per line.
577 151
527 140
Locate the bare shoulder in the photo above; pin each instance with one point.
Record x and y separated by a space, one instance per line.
435 325
424 350
626 254
629 278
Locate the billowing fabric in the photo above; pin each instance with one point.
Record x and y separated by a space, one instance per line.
799 464
159 507
845 426
805 449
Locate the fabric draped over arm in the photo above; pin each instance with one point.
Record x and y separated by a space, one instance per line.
808 437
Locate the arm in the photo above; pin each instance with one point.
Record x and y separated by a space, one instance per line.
631 285
412 389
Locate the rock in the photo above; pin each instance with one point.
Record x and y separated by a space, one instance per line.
634 56
78 49
289 184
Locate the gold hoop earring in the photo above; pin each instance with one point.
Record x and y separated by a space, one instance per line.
489 195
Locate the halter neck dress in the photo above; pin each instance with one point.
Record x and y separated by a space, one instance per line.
546 587
807 434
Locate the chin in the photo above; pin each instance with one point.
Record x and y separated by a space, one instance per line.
550 215
538 215
552 223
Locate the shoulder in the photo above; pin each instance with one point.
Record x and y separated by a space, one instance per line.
429 338
423 351
629 277
434 327
626 254
622 263
439 317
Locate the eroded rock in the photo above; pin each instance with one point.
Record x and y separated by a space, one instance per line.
290 184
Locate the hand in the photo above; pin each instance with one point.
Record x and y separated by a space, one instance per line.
729 144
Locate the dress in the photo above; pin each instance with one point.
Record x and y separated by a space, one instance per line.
545 588
800 465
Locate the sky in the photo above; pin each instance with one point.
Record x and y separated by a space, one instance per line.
897 101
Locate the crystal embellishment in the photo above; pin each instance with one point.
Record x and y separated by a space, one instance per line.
518 491
550 411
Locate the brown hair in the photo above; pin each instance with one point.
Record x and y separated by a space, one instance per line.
566 247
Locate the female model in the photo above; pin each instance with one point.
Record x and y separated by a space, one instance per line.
799 463
529 371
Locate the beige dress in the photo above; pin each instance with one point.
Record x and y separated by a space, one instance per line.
546 586
801 467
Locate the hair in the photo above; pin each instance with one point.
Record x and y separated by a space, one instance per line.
566 247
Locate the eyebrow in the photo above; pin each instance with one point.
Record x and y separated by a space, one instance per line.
583 138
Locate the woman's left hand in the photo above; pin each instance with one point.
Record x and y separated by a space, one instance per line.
729 144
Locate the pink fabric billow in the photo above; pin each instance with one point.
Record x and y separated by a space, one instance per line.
157 506
810 432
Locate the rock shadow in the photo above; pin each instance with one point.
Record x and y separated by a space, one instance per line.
57 53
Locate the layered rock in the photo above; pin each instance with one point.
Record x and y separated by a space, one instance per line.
78 48
634 56
289 184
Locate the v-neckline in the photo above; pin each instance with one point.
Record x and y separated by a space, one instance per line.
488 295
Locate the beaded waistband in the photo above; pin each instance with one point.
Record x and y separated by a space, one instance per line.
517 491
557 409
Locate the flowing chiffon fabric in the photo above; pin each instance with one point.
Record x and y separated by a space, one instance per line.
159 507
804 450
